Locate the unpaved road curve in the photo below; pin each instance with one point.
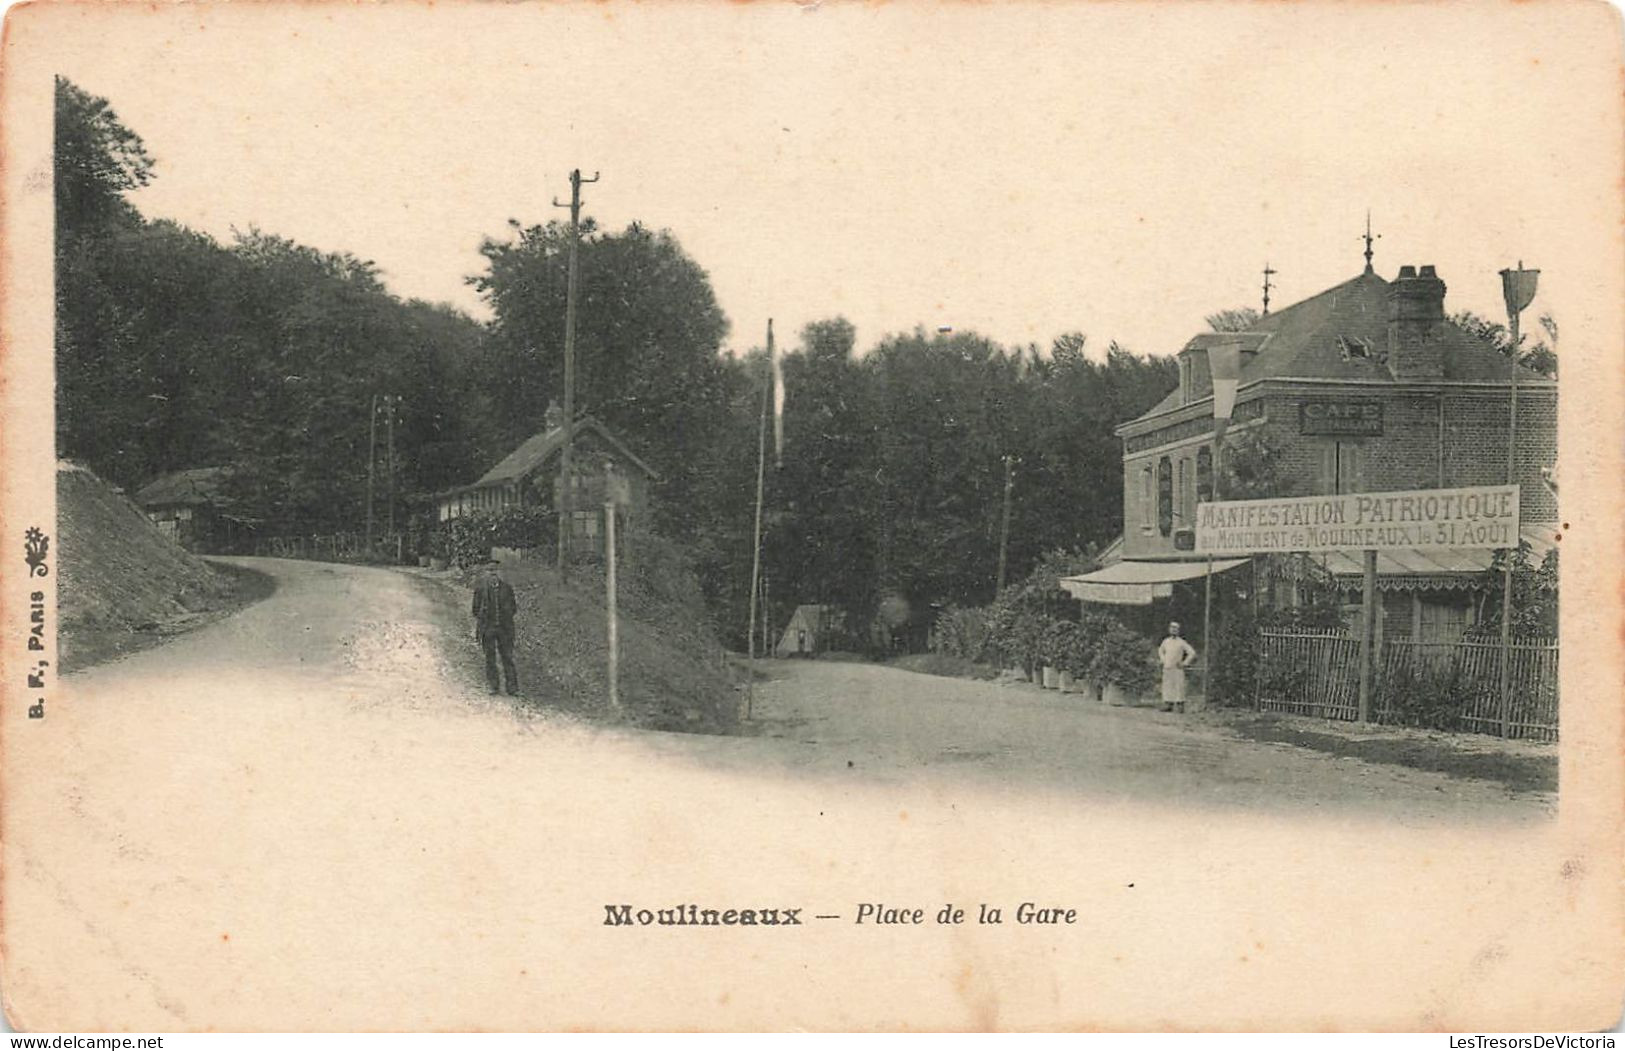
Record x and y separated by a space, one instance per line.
307 816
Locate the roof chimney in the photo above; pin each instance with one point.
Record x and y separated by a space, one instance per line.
553 418
1415 324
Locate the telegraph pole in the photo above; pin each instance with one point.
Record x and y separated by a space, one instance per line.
756 536
1004 521
390 402
565 476
372 464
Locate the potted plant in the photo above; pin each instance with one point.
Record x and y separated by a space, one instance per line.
1080 654
1026 629
1054 644
1122 665
1086 644
1001 636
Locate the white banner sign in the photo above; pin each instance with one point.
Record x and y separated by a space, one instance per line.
1481 516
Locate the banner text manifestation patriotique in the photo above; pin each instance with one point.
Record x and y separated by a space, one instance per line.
1474 517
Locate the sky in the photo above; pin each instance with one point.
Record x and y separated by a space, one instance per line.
1021 171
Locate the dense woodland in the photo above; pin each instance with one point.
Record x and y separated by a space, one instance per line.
175 351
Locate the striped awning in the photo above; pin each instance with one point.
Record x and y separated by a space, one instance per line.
1438 567
1139 583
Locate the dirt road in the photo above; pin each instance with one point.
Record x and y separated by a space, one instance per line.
896 723
308 816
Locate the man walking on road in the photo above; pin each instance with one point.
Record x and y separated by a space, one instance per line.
494 607
1176 655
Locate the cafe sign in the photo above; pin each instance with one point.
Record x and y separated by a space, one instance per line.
1341 417
1475 517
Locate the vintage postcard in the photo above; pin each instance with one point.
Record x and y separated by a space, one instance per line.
1037 516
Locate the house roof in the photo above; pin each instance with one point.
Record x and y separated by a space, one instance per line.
192 487
1307 339
534 451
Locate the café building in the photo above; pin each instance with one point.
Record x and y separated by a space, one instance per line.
1366 387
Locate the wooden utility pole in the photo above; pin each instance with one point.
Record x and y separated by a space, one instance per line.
372 464
390 401
565 473
1004 522
756 533
1368 632
609 603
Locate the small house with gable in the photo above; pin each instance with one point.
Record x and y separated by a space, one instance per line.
529 477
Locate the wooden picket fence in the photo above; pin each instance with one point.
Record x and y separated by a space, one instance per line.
1315 673
1437 685
329 547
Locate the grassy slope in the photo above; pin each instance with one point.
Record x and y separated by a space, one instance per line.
120 579
672 672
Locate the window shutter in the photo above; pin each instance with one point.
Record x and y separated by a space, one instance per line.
1165 496
1326 483
1351 471
1204 475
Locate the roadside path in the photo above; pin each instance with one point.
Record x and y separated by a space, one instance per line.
311 816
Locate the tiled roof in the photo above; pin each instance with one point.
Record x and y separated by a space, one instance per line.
1302 342
535 450
192 487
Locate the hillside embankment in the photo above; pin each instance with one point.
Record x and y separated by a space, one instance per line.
121 584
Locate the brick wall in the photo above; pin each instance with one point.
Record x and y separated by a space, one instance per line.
1417 450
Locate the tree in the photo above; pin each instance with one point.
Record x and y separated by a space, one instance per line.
1240 319
97 161
1534 594
1541 356
648 335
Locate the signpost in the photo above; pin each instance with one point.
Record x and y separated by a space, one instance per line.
616 495
1472 517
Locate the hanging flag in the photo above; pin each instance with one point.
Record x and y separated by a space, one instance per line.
1518 287
1224 360
778 398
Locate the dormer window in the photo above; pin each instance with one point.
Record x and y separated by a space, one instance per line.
1353 348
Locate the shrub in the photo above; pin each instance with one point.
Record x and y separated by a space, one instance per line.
1123 658
1280 678
469 539
1432 695
1091 628
963 633
1022 638
1055 642
1233 680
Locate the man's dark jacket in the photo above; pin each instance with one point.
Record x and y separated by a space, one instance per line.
494 607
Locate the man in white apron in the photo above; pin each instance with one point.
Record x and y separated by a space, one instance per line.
1176 655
